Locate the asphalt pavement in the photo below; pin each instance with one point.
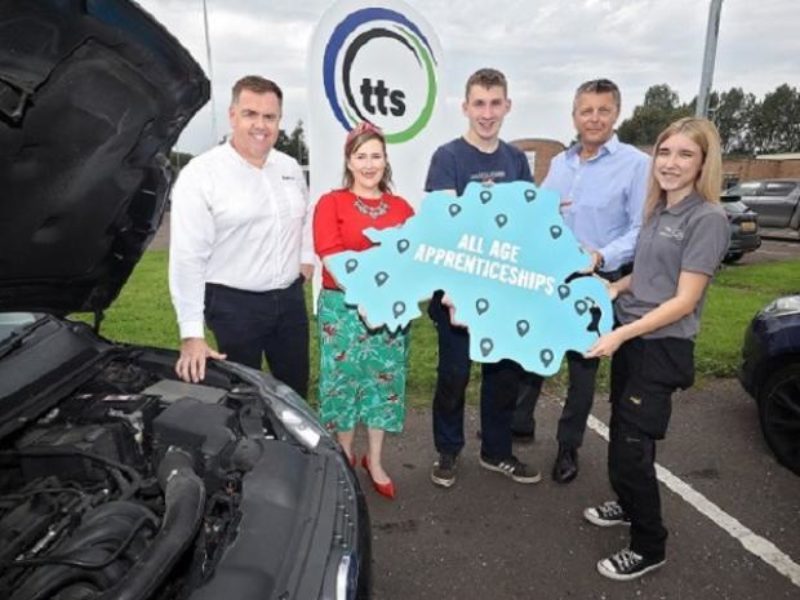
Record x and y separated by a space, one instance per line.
489 537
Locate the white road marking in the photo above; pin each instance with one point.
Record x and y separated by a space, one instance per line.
754 543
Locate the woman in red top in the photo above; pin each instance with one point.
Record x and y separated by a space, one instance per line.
362 371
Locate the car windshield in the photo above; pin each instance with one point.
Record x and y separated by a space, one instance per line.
732 205
12 325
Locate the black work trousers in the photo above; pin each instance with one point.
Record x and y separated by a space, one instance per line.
272 324
644 375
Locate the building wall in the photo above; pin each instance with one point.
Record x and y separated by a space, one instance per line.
540 152
745 169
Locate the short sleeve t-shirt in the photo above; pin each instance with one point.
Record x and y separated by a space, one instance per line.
693 236
458 163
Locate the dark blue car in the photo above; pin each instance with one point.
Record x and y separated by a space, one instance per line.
770 372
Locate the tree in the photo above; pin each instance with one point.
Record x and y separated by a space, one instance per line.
294 144
776 121
661 106
732 113
745 125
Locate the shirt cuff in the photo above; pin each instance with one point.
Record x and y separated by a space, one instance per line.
191 329
611 259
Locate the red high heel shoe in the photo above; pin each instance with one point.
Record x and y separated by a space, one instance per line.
384 489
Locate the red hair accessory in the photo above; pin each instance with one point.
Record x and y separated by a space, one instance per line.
360 129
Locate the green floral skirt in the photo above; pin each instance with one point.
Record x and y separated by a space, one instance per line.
362 374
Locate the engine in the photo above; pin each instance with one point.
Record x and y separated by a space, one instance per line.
111 486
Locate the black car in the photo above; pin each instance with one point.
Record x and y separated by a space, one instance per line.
743 224
770 372
117 480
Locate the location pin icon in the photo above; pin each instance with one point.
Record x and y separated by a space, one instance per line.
563 291
501 220
481 305
530 195
555 231
581 307
402 246
380 278
546 356
486 346
454 209
398 308
486 195
350 265
523 327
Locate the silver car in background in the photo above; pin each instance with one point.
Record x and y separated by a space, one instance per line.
777 201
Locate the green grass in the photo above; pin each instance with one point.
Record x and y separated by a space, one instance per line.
143 314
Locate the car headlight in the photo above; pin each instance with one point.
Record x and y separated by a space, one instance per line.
786 305
290 408
306 431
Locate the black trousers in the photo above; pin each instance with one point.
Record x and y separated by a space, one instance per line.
644 375
499 390
272 325
580 393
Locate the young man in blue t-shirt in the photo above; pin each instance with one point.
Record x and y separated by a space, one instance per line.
480 155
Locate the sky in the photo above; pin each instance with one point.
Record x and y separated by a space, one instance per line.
545 48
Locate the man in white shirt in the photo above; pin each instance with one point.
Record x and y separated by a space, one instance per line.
241 246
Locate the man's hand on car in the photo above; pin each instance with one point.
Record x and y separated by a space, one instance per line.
191 366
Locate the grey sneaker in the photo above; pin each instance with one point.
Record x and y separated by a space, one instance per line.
444 470
607 514
513 468
627 564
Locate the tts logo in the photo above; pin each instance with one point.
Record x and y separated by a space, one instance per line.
379 93
357 92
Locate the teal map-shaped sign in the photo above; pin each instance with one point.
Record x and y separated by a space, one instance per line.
506 260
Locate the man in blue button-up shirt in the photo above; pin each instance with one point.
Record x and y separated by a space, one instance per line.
602 184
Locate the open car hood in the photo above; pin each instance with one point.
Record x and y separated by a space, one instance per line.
93 94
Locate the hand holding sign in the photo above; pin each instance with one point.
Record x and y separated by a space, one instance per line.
506 260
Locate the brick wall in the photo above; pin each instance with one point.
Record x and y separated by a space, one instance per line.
540 152
745 169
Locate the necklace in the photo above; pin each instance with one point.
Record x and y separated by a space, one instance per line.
373 212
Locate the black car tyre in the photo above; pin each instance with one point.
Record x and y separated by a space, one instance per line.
733 257
779 412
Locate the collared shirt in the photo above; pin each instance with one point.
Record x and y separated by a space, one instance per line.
692 236
607 193
237 225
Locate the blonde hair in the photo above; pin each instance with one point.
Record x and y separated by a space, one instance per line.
709 182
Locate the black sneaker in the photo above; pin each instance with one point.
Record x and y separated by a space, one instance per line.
627 564
513 468
443 472
607 514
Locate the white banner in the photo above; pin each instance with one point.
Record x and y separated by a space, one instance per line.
379 62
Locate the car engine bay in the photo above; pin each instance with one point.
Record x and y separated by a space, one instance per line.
128 478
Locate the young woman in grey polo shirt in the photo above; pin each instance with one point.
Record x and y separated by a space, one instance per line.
681 244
